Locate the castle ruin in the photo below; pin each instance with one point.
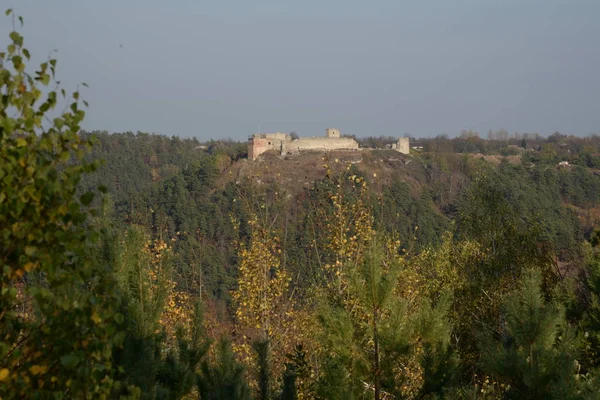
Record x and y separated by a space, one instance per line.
402 145
285 144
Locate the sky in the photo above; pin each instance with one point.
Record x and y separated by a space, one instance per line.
228 69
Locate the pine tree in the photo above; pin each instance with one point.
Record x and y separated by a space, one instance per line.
592 312
161 366
225 379
535 352
380 344
178 372
143 280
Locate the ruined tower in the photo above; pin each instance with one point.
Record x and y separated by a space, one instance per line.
403 145
332 133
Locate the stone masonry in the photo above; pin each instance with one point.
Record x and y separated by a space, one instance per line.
284 144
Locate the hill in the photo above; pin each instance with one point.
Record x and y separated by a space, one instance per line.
176 185
298 172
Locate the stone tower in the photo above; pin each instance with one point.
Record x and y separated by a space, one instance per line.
403 146
332 133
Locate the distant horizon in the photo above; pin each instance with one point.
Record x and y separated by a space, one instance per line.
457 136
389 67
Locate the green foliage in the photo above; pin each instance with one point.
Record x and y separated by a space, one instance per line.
263 351
223 379
367 341
439 360
592 319
493 213
535 351
289 391
169 186
59 319
402 214
516 227
158 369
86 293
297 370
177 375
144 281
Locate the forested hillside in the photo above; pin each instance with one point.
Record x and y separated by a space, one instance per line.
178 189
143 266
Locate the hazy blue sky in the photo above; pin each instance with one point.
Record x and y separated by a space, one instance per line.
215 69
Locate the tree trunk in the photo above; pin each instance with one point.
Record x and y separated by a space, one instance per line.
376 363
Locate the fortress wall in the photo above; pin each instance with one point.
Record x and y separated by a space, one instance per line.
256 147
275 136
266 141
403 146
322 144
283 143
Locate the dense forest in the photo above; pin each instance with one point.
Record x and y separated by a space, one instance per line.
135 265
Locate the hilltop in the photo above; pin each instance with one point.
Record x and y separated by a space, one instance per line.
295 172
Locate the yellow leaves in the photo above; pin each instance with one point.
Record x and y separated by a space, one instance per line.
349 228
435 270
4 372
262 310
96 318
62 209
160 245
30 250
179 310
21 142
38 369
23 161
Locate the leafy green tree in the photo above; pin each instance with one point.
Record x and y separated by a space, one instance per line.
59 316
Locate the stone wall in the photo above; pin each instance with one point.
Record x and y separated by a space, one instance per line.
256 147
317 143
259 143
284 144
403 146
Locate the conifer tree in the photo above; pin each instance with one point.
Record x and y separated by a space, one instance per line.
592 318
223 379
178 372
535 352
144 284
383 345
160 366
